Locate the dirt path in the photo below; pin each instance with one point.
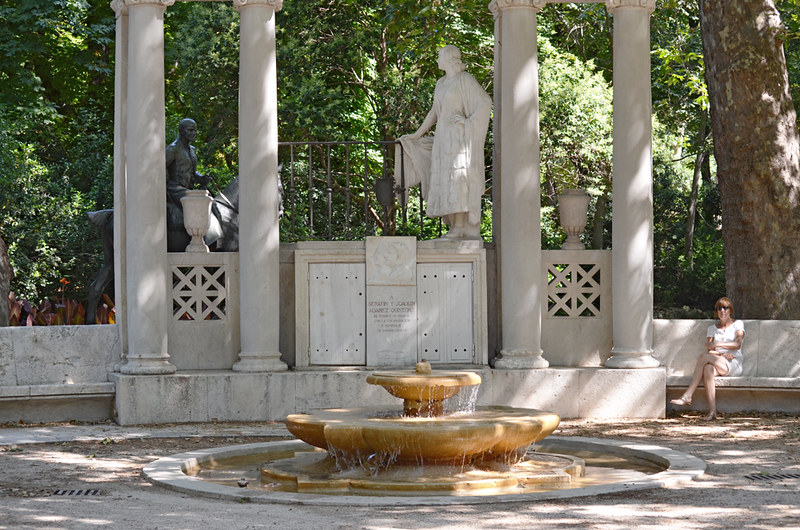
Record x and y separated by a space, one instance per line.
734 448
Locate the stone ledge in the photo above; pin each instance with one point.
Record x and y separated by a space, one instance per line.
57 402
56 390
775 383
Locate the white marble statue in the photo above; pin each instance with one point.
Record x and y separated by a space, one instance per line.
450 168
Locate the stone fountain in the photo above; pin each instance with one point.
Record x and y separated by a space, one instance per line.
422 449
422 455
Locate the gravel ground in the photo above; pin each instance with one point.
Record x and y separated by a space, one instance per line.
109 459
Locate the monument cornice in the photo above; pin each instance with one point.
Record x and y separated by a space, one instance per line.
495 6
650 5
276 5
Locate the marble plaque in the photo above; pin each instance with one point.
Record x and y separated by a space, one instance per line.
391 301
391 260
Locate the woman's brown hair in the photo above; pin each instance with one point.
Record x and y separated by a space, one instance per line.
724 301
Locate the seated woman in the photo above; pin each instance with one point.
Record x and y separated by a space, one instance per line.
723 356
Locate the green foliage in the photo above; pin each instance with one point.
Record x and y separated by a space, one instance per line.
347 70
679 282
56 127
575 140
202 81
790 16
43 221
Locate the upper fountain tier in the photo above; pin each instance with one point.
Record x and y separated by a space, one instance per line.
423 390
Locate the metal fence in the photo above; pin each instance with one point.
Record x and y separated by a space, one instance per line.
349 190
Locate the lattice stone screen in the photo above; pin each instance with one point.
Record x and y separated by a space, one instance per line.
199 292
204 326
573 289
577 321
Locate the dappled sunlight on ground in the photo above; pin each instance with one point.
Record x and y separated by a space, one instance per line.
733 448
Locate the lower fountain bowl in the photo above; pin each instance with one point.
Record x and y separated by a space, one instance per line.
490 433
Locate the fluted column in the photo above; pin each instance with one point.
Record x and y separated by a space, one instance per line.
259 235
149 287
632 234
520 242
120 174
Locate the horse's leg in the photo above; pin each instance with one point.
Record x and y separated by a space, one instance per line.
96 289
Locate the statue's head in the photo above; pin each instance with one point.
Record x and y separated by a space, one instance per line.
187 129
450 56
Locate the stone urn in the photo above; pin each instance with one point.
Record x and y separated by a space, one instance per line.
197 218
573 205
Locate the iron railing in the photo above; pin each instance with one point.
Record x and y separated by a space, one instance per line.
331 191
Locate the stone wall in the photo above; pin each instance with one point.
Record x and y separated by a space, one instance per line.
67 372
57 373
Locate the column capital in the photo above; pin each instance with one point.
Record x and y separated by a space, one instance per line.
495 6
120 7
650 5
276 5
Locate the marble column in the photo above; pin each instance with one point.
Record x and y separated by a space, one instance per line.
632 234
259 235
149 285
120 174
520 242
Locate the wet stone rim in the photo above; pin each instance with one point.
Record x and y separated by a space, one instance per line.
170 472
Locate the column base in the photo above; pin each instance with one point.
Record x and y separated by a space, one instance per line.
631 359
264 362
139 366
520 360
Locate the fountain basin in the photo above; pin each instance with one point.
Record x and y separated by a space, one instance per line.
315 472
490 433
179 473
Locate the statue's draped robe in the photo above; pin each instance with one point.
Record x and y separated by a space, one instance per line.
450 167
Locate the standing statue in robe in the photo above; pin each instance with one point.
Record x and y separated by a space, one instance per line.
450 167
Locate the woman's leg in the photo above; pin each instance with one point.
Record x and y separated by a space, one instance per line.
709 372
719 366
703 360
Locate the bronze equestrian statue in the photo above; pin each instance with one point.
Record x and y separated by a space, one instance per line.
225 213
182 175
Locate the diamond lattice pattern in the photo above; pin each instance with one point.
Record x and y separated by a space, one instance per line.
573 290
198 293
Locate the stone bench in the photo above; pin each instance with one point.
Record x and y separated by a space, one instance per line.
57 402
57 373
771 374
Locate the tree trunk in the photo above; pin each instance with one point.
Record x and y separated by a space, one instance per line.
758 155
6 273
598 221
692 213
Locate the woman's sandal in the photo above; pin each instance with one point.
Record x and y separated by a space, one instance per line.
683 401
712 416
